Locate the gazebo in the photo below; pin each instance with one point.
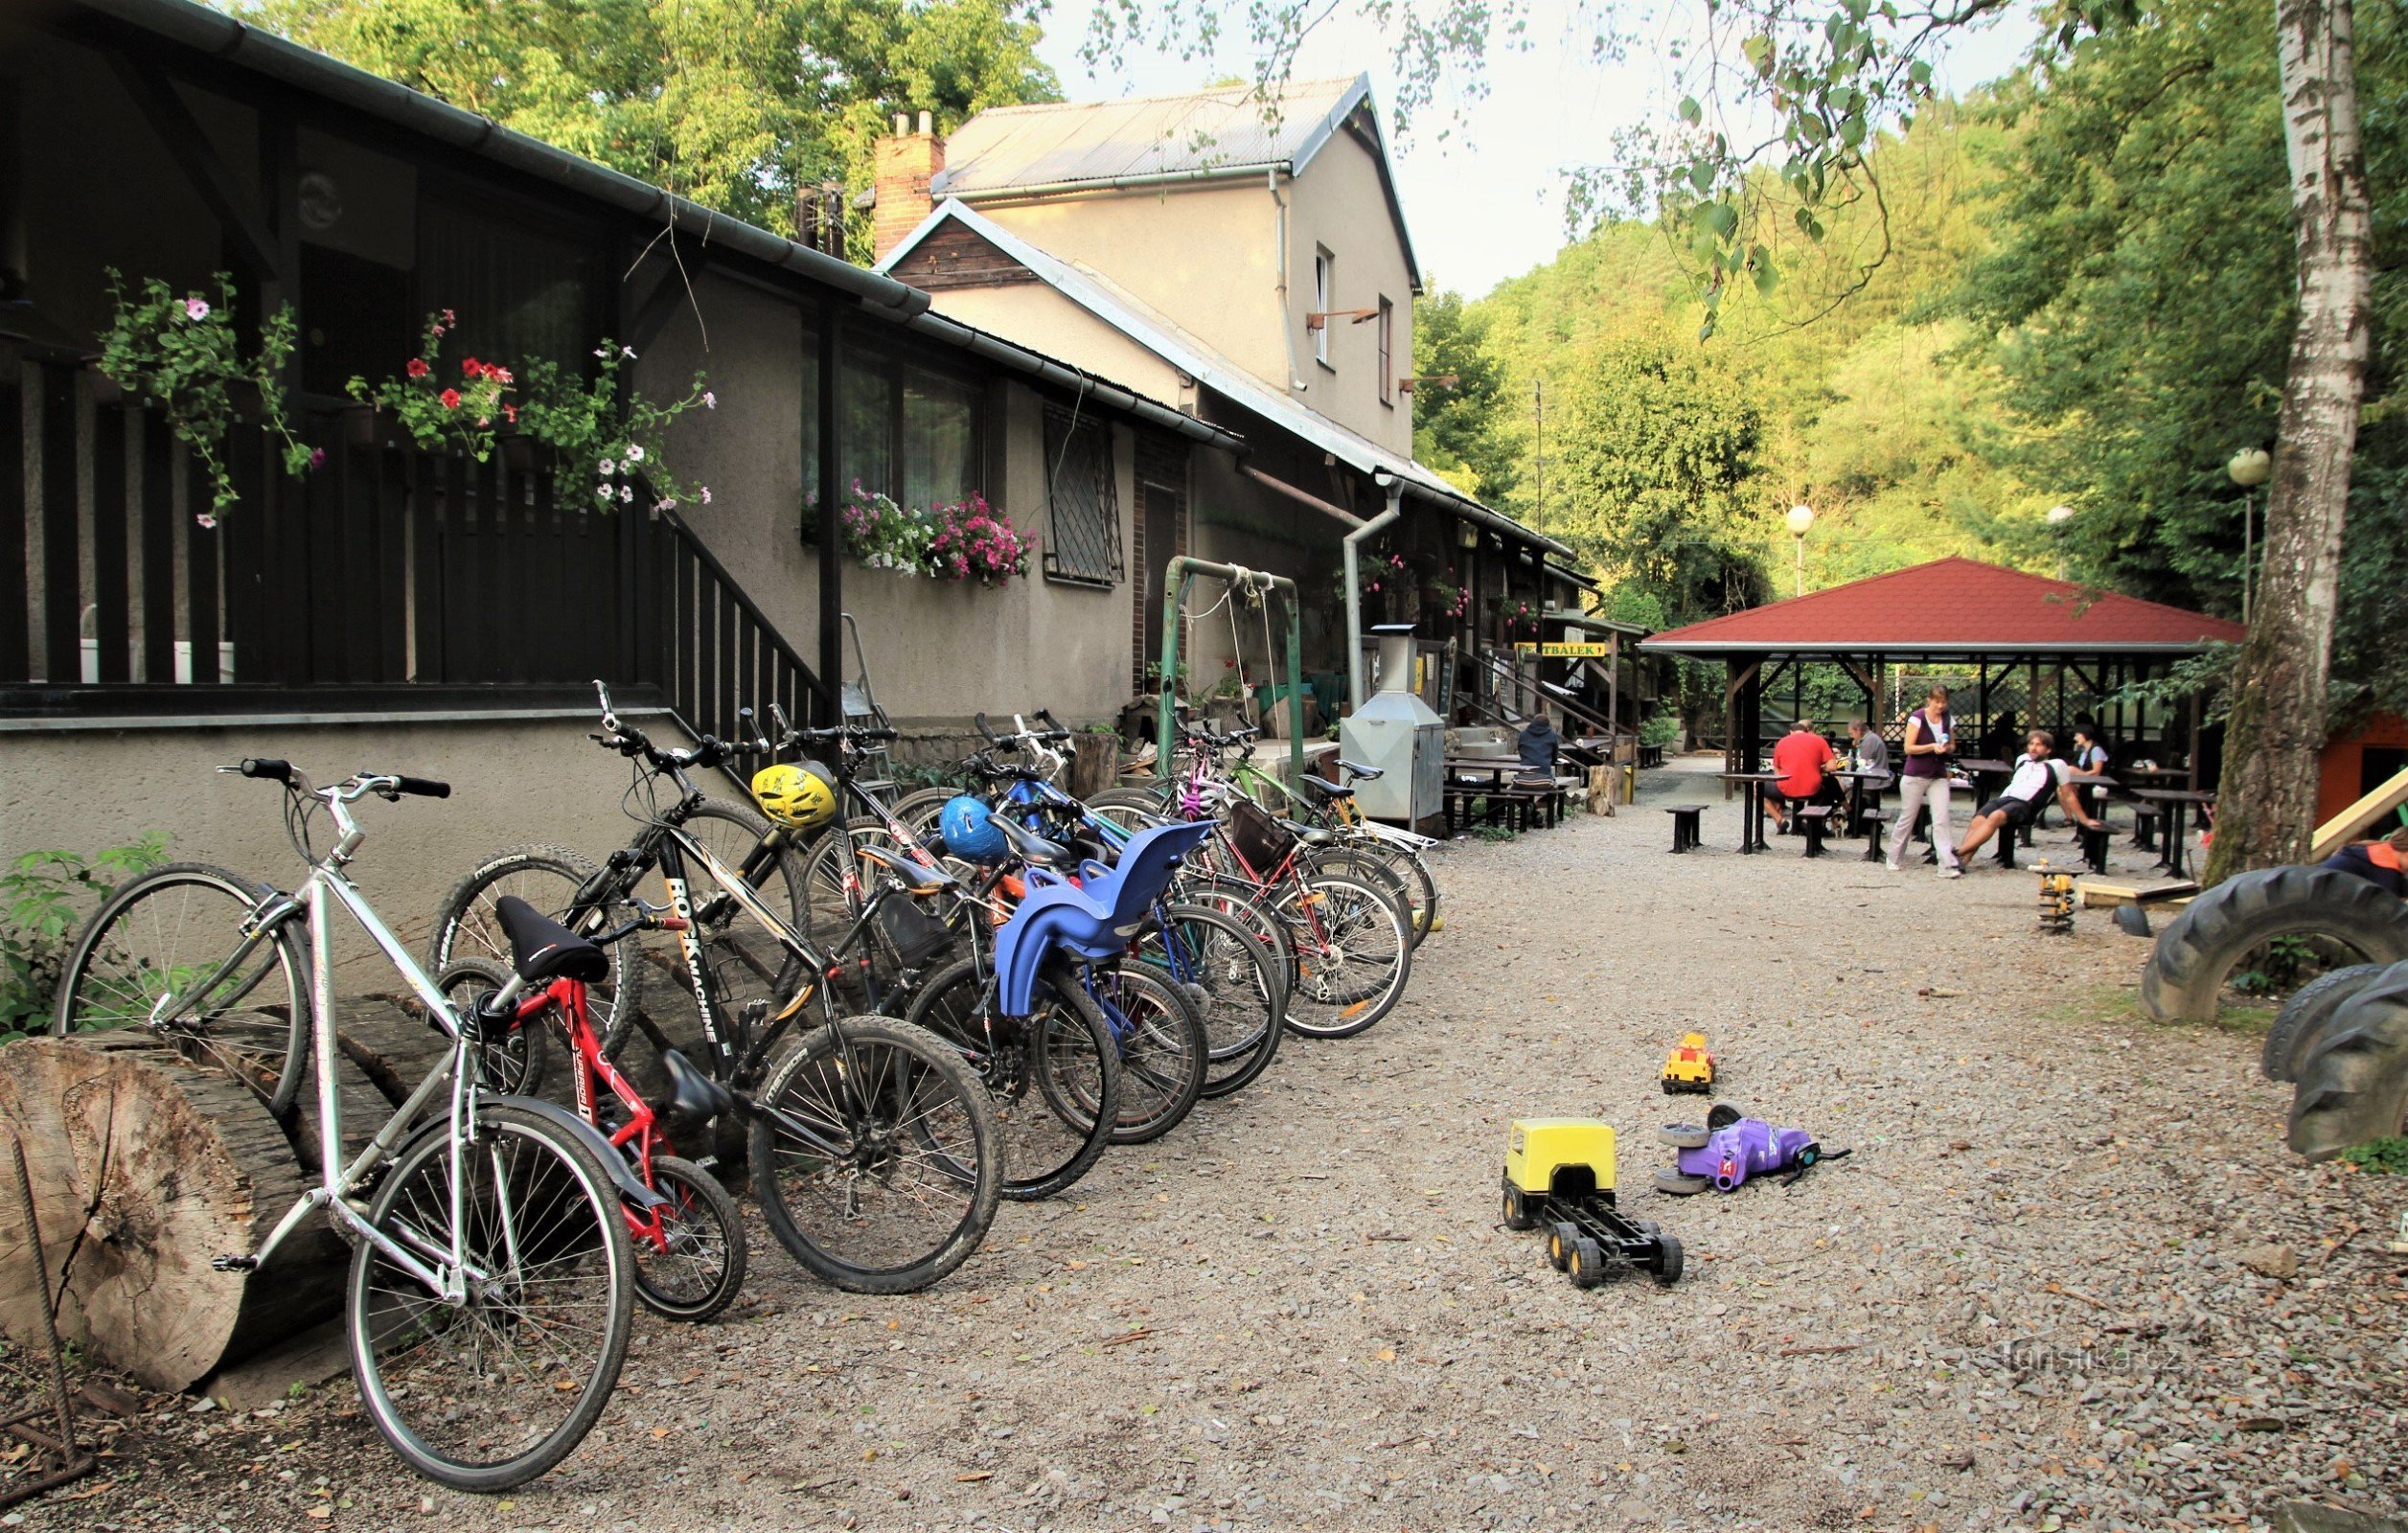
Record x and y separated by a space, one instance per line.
2006 638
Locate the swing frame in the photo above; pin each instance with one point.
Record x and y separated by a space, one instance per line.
1175 577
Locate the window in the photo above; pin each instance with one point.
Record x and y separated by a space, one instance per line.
940 440
1388 353
523 290
1325 299
901 430
1084 545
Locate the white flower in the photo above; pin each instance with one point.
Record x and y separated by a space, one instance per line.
627 352
599 352
634 452
710 400
196 308
627 494
707 494
606 467
206 520
602 491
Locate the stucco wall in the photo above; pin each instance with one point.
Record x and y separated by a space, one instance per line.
512 781
1336 204
1038 317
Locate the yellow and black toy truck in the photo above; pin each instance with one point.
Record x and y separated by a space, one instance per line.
1559 1173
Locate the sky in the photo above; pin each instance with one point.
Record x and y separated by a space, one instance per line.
1482 176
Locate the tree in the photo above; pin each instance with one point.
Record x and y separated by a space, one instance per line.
735 104
1456 428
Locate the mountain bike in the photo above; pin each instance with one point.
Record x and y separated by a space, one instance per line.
489 1301
873 1146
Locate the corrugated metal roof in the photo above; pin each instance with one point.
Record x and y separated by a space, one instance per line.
1953 606
1203 133
1163 336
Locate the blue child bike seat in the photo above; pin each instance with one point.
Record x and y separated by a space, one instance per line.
1094 922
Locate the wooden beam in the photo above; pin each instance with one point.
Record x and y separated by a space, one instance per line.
2353 823
180 133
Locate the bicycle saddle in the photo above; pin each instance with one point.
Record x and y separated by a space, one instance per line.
1369 774
542 949
694 1097
914 877
1033 849
1327 788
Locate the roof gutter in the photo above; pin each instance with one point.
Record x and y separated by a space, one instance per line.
1472 511
223 36
1112 183
1112 395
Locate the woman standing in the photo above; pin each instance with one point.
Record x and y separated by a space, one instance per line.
1930 733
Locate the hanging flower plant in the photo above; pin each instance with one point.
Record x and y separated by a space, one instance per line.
441 411
603 445
1450 599
885 536
181 351
974 542
1521 617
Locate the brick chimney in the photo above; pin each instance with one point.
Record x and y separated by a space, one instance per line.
904 164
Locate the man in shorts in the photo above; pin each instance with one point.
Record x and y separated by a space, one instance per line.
2036 774
1803 758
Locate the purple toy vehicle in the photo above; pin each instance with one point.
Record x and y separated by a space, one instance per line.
1731 1149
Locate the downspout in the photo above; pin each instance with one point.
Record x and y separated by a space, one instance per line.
1287 328
1353 543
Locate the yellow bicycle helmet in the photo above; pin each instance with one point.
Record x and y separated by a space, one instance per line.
800 798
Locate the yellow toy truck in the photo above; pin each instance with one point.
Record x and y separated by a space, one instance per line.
1690 1066
1559 1171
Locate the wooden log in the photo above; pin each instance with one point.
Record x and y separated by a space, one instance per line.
144 1168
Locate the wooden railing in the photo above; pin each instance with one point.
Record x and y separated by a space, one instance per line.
722 653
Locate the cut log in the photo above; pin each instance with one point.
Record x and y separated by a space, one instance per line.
144 1169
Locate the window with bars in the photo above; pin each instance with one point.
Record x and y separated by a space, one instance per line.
1084 547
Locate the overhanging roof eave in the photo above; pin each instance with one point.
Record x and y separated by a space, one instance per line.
1716 649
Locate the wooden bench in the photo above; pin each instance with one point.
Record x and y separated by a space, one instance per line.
2095 847
1684 820
2144 822
1872 820
1813 820
1650 756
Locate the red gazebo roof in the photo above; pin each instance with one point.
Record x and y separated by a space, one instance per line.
1953 606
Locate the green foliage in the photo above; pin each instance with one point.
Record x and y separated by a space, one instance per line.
1660 729
1456 425
2386 1156
736 104
46 895
440 411
605 432
181 351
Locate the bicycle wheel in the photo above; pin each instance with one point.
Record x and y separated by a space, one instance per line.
1250 905
1353 957
875 1156
748 962
154 955
918 810
1364 867
1054 1075
1164 1052
549 879
1410 875
1131 808
1233 983
690 1264
491 1392
513 1060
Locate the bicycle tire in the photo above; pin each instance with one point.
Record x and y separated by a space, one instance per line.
515 1065
1366 868
1412 874
548 878
919 809
1131 808
1250 905
747 961
1164 1053
1236 986
710 1229
1328 1001
918 1071
576 1260
1044 1078
104 984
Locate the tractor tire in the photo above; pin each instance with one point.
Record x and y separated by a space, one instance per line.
2354 1084
2199 948
2304 1015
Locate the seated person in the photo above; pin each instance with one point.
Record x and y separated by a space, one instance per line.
2378 862
2091 758
1803 758
1538 744
2037 772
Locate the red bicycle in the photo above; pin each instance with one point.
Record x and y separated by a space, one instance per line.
689 1250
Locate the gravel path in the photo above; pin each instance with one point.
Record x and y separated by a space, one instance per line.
2029 1299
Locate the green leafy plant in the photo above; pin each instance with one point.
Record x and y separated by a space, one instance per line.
2279 965
2388 1157
440 412
966 540
1661 729
601 442
181 351
43 896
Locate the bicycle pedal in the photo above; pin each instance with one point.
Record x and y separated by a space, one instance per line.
234 1264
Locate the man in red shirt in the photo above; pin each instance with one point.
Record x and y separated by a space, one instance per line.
1801 757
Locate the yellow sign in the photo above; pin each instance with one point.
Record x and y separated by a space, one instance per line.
1564 651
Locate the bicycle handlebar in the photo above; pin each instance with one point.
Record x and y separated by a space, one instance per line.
422 786
271 768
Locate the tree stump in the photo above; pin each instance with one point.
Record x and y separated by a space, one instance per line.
144 1168
1095 765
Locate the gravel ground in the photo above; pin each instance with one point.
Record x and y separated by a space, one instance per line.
2069 1278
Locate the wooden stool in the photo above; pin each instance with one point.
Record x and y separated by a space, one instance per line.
1814 819
2095 848
1872 820
1685 818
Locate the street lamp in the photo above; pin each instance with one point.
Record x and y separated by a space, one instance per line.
2250 468
2058 517
1800 518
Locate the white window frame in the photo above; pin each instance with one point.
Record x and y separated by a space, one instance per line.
1325 299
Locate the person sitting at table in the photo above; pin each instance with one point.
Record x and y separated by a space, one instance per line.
2037 772
2091 759
2378 862
1538 744
1803 759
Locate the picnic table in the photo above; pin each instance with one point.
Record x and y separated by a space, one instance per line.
2177 801
1751 789
1858 798
1490 777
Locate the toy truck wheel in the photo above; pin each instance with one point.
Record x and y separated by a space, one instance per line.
1588 1263
1680 1186
1560 1237
1648 1226
1722 1117
1668 1260
1518 1215
1683 1136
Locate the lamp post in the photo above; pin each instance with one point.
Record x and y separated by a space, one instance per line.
2058 517
2249 467
1800 518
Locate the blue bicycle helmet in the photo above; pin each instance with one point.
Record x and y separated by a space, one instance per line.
968 831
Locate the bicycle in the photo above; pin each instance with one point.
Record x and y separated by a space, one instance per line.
489 1301
873 1146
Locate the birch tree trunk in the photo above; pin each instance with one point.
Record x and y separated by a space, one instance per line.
2266 801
